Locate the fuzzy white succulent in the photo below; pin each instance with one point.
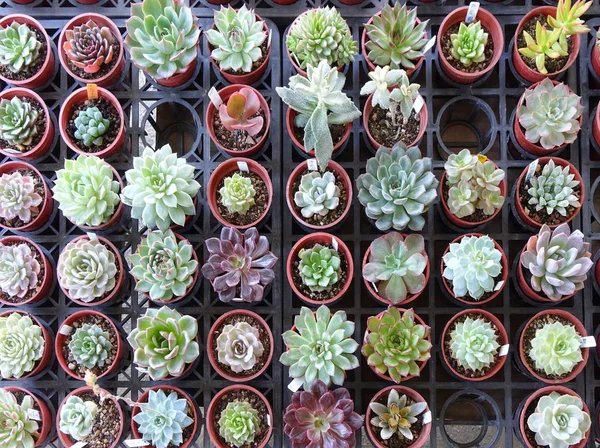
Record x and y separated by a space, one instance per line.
239 346
317 194
382 78
474 343
556 348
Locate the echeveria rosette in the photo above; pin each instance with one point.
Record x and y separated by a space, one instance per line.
239 423
89 46
77 417
320 267
237 193
553 189
317 194
556 348
90 346
18 197
468 45
18 123
19 47
17 429
239 346
21 345
474 343
19 270
396 417
91 127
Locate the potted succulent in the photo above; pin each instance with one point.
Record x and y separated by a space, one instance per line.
396 416
472 190
313 352
34 206
25 419
554 264
90 49
319 199
239 193
319 113
239 415
403 356
548 118
155 173
395 268
330 417
319 268
239 44
239 266
394 111
26 128
88 341
407 179
549 192
90 270
26 56
25 272
474 269
595 56
172 60
596 125
240 345
240 124
164 343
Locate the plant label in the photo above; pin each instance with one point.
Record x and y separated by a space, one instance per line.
243 166
312 164
499 285
588 342
419 103
269 40
214 96
531 170
65 330
472 12
34 415
334 243
429 45
295 384
79 445
92 91
504 350
427 417
374 287
132 443
268 420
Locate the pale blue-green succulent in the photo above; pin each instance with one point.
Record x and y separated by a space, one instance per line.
19 47
21 345
77 417
90 346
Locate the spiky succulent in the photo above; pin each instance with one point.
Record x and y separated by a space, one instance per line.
382 79
17 429
89 46
321 347
553 189
86 191
318 417
19 270
237 193
545 44
568 19
474 343
239 423
21 345
556 348
19 47
320 267
91 126
468 44
398 187
238 113
163 342
558 261
396 38
236 37
396 417
77 417
317 194
239 346
87 269
18 123
239 266
559 421
90 346
162 37
161 188
18 197
397 266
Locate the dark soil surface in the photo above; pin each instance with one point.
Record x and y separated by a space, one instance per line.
108 112
106 423
40 126
39 189
396 441
104 68
35 67
471 299
40 279
386 134
333 215
552 65
238 139
474 67
337 133
261 199
476 216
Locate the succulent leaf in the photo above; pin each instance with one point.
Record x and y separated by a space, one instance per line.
18 197
19 270
21 345
19 47
18 123
317 194
396 417
474 343
239 346
556 348
91 126
468 44
17 429
239 423
237 193
238 113
77 417
91 346
553 189
89 46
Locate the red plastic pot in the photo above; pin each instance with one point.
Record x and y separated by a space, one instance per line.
285 2
343 177
45 425
521 67
529 291
595 58
504 274
402 390
290 115
596 125
116 215
45 72
597 275
225 93
491 25
542 161
226 168
180 78
211 337
115 73
78 97
218 2
210 414
61 339
323 238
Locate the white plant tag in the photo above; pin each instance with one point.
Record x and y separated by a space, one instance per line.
419 103
472 12
132 443
269 34
243 166
65 330
334 243
296 384
79 445
531 170
374 287
429 45
268 420
312 164
214 96
34 415
427 417
588 342
504 350
499 285
237 299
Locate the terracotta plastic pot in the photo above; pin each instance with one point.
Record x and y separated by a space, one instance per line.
178 79
225 93
218 2
88 2
342 176
45 425
211 337
47 68
290 115
596 125
495 294
597 272
491 25
226 168
595 58
78 97
210 415
530 292
521 67
323 238
402 390
61 339
116 215
542 161
115 73
285 2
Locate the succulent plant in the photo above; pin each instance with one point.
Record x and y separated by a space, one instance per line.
395 343
469 43
239 423
317 194
162 37
237 193
319 101
397 266
558 261
239 266
319 267
19 47
236 37
163 418
556 348
553 189
21 345
87 269
474 343
396 417
89 46
91 126
161 188
164 342
239 346
559 421
382 79
19 270
321 347
544 45
568 21
18 123
90 346
237 114
77 417
17 429
398 187
18 197
396 38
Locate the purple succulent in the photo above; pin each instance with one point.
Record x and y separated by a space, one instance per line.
320 418
239 265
